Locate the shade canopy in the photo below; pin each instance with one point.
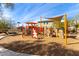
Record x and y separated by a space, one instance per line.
55 18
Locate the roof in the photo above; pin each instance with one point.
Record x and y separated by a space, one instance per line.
31 23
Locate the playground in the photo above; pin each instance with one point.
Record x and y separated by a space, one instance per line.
40 29
41 40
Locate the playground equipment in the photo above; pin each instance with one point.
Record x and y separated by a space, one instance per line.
31 29
31 26
34 30
34 33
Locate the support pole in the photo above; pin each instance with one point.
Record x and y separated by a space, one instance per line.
22 30
40 22
65 29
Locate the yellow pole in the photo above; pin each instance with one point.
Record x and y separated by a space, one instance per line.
65 28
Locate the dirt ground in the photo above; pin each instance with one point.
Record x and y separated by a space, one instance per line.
73 44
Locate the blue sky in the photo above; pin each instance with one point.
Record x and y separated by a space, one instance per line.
32 11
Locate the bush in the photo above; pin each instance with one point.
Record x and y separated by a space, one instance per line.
4 25
73 31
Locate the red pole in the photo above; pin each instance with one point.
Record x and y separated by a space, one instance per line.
40 24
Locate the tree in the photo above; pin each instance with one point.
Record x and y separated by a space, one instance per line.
5 22
78 25
9 5
5 5
71 22
4 25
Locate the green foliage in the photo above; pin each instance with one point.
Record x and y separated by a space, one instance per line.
73 31
70 22
4 25
62 24
78 25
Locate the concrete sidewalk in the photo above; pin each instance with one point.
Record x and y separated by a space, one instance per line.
6 52
3 35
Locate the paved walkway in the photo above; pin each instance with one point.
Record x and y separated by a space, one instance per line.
6 52
2 35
